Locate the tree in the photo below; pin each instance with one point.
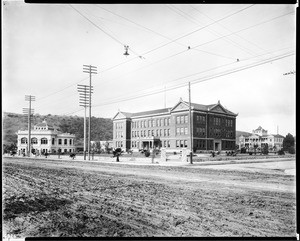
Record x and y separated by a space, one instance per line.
255 148
265 149
288 143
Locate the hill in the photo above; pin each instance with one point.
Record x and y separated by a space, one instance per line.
101 128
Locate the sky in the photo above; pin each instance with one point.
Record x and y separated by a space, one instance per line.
238 54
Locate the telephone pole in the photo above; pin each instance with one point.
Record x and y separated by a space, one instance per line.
90 70
84 100
29 111
191 125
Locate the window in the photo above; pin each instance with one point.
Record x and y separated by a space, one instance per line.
178 119
53 141
168 132
165 143
65 141
177 131
165 132
44 141
149 132
70 142
181 143
177 143
182 119
145 133
185 143
181 130
168 121
153 123
157 122
169 144
156 132
160 132
186 119
152 132
185 130
24 140
59 141
33 140
165 120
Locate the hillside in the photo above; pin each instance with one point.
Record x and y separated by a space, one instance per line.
101 128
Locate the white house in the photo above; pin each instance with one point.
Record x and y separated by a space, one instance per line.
45 138
260 137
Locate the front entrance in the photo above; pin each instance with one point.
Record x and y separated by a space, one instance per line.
217 145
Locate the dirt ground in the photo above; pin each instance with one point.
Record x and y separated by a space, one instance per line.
45 198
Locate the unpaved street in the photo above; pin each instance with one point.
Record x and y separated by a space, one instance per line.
73 198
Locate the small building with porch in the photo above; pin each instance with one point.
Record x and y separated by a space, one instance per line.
45 139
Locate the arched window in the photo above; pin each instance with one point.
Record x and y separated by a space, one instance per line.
66 141
24 140
44 141
34 140
70 142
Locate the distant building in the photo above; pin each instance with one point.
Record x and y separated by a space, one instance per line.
213 128
45 138
102 144
261 137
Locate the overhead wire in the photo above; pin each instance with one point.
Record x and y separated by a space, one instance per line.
198 80
223 26
192 19
220 37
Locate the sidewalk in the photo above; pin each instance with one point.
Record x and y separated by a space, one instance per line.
156 161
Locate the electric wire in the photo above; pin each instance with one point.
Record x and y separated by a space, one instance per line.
188 17
199 80
223 26
221 37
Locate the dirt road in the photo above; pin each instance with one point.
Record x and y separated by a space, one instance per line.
67 198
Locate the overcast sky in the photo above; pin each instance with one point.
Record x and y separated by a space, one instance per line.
237 54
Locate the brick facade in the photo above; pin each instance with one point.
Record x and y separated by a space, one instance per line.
213 128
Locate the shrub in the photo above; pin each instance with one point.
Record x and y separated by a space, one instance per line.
243 150
147 153
281 152
291 150
250 153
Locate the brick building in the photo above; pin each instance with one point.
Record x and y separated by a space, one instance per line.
213 128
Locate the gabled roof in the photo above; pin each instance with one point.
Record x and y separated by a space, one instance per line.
196 106
211 108
278 136
152 112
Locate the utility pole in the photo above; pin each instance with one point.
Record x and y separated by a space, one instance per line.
84 101
29 112
191 125
90 70
165 98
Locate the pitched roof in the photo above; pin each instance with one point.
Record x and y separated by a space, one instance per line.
152 112
208 107
167 110
278 136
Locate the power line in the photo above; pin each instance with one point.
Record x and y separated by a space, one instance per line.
114 38
198 80
212 31
61 89
196 46
220 24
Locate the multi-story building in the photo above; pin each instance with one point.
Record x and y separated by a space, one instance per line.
45 138
213 128
260 137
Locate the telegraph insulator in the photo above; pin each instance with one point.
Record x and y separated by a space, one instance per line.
126 50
